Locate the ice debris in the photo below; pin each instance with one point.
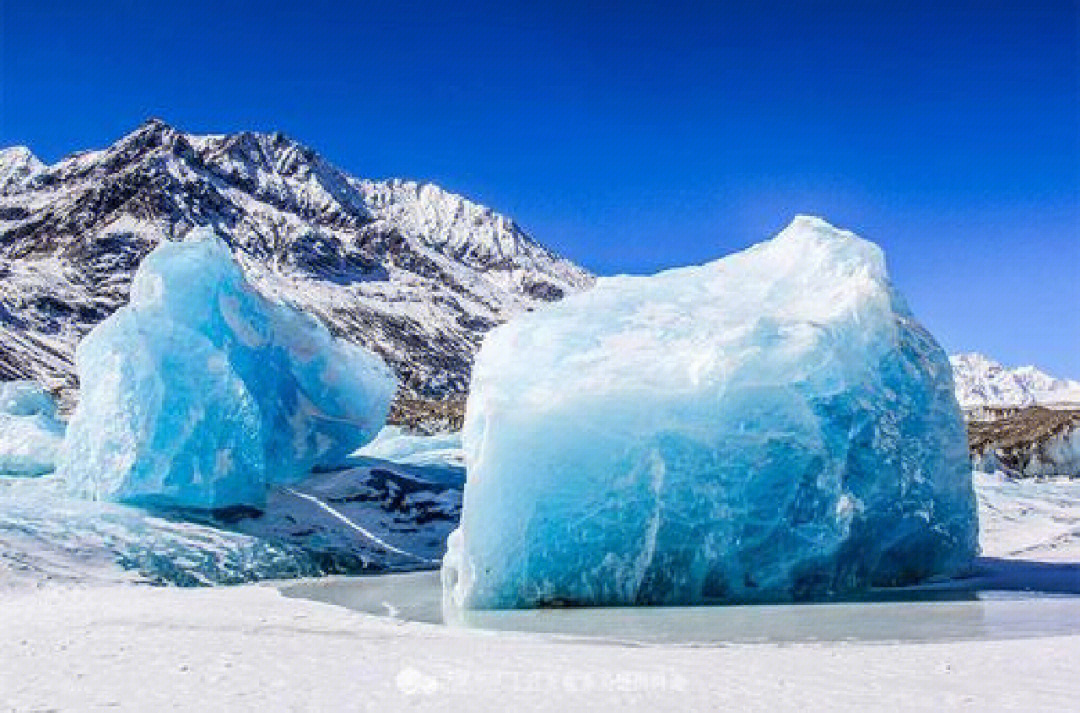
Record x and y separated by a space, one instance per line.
771 426
30 433
439 453
46 535
201 392
1031 442
26 398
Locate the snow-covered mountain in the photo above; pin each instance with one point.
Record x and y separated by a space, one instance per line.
984 383
18 167
415 272
1021 421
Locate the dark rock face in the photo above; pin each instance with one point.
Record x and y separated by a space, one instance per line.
1028 442
407 269
428 416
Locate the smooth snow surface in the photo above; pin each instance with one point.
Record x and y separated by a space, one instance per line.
30 433
130 648
771 426
201 392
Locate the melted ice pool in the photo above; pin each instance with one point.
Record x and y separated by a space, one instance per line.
994 605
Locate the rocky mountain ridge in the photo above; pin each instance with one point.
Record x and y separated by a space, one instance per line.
984 385
408 269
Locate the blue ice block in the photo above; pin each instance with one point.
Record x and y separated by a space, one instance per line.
30 432
771 426
201 392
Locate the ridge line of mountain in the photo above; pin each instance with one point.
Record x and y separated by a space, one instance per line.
408 269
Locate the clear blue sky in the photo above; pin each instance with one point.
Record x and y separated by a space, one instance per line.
632 137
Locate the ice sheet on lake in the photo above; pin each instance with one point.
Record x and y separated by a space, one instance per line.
774 425
375 516
201 392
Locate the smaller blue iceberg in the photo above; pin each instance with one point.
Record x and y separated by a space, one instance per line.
30 433
201 392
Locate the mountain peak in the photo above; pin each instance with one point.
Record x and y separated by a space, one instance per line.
409 269
13 154
154 123
983 382
18 168
152 131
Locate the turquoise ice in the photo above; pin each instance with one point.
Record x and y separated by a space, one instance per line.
201 392
26 398
30 432
772 426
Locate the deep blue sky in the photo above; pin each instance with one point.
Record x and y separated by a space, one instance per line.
640 137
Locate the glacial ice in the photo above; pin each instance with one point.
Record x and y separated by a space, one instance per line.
26 398
47 535
1056 456
30 433
438 453
201 392
771 426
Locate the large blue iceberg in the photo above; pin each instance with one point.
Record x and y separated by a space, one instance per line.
201 392
30 432
772 426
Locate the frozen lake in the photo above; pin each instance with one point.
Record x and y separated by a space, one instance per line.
1007 599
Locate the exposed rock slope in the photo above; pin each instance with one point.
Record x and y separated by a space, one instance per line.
1028 442
410 270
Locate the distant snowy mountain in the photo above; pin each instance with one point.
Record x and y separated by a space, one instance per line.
1021 421
18 167
982 382
408 269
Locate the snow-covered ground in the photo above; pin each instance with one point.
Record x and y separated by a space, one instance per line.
1029 519
102 644
248 648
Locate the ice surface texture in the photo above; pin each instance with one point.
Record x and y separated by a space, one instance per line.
26 398
400 519
200 392
771 426
30 434
439 453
